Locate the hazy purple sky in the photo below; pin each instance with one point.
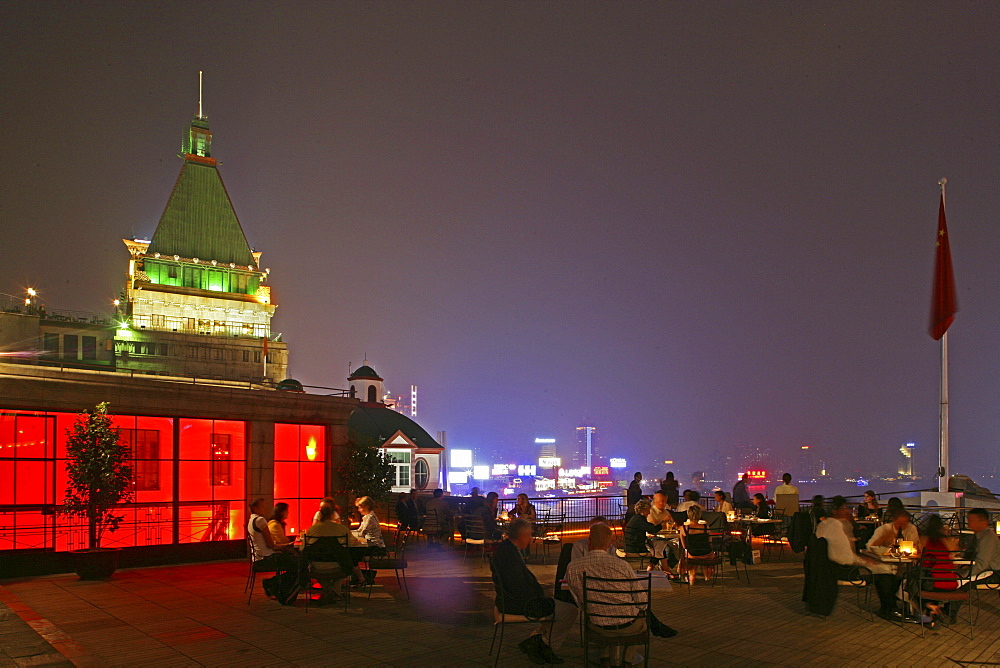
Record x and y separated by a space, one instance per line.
696 224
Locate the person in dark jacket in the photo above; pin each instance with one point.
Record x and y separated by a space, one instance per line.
741 495
523 595
403 517
632 495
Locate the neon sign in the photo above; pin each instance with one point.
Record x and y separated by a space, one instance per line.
617 463
602 470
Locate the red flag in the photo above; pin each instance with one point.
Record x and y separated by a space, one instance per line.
944 302
264 338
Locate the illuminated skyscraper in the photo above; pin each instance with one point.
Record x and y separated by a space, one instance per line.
586 442
906 459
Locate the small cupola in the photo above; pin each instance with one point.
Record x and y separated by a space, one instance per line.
366 384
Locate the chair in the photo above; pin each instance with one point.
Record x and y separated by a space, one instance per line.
501 619
324 550
714 539
433 526
255 568
735 547
716 521
396 560
860 578
776 537
475 534
635 537
788 504
948 569
608 601
549 532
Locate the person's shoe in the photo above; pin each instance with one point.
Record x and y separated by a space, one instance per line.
530 646
663 631
891 615
547 653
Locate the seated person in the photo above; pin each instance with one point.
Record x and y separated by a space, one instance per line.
522 594
839 509
839 552
986 549
404 518
894 507
329 559
695 536
266 555
691 498
869 509
635 535
437 525
659 513
721 504
327 501
488 513
276 526
523 509
762 511
939 572
632 621
369 534
582 546
898 528
413 506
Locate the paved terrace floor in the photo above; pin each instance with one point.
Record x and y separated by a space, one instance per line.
197 614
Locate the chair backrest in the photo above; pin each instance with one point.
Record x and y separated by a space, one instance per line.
612 601
941 570
251 553
474 528
715 520
788 504
431 521
324 548
565 556
679 516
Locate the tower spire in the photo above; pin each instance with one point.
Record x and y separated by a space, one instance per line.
200 115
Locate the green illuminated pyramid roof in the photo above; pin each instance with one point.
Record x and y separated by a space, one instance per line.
199 220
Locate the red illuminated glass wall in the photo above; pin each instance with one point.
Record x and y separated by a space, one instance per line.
299 472
190 482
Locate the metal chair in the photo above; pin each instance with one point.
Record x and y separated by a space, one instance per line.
549 532
396 560
635 537
501 618
861 579
475 534
946 570
255 568
713 540
612 604
324 550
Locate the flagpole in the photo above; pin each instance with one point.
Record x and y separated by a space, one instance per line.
943 472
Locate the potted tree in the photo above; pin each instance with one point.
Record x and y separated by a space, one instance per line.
364 471
100 478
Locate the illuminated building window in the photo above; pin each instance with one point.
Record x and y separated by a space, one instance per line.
400 460
300 475
421 474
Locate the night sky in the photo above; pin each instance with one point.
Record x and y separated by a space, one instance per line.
694 225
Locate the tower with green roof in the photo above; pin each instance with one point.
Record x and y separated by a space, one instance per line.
197 301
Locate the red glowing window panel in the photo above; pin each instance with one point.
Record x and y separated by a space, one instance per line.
300 477
286 480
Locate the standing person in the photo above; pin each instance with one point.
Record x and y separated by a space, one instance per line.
598 562
741 495
413 506
521 586
670 488
633 495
